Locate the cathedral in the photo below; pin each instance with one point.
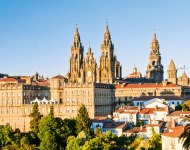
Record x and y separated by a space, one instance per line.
85 69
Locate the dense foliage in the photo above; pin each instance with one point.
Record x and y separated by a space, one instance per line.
52 133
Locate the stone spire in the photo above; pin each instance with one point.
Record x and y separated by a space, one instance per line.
89 50
110 68
76 42
172 72
154 47
76 59
107 37
171 65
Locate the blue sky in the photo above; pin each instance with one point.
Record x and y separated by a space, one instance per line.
36 35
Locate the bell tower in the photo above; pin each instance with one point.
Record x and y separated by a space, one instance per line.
76 59
155 68
109 66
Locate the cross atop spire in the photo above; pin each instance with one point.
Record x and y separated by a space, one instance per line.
107 36
76 26
106 22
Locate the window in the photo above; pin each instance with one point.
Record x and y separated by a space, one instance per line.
60 84
67 110
73 110
84 101
67 100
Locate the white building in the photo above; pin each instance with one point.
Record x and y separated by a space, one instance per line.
171 101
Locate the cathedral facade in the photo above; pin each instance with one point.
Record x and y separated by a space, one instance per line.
85 69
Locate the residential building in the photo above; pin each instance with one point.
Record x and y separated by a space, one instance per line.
170 140
171 101
126 114
180 117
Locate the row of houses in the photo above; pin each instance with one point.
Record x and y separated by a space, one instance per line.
140 120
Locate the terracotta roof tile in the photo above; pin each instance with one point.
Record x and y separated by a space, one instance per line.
115 124
12 80
133 130
146 85
59 77
177 131
147 111
178 113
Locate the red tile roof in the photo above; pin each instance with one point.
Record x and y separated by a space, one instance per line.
59 77
142 129
133 130
12 80
115 125
147 111
152 125
146 85
178 113
177 131
127 109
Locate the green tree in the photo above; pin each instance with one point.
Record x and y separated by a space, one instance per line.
6 136
83 122
50 132
135 144
155 142
184 107
78 142
36 116
178 107
69 127
98 132
139 123
185 137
